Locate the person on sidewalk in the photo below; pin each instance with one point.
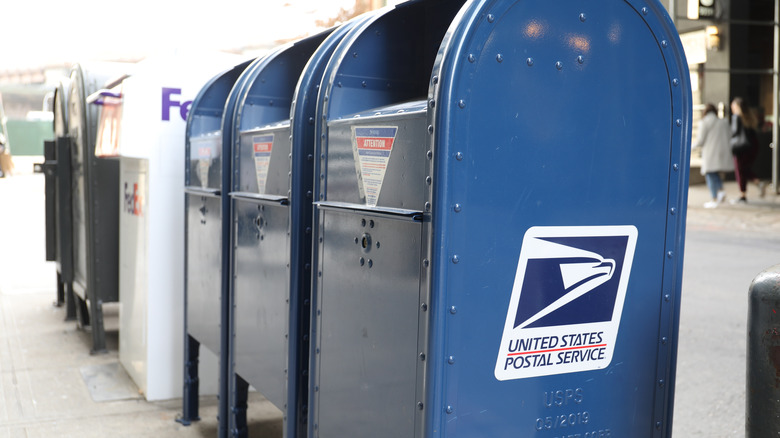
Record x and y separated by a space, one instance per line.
744 147
713 139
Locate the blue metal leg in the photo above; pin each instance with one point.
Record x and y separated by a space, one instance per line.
239 406
191 383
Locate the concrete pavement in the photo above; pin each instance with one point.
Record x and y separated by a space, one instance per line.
725 249
44 392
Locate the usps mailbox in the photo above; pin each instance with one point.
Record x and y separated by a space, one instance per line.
207 236
95 204
58 211
271 212
500 254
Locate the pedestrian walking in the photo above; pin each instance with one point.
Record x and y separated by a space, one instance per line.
744 147
713 140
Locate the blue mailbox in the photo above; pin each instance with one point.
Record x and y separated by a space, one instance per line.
94 209
500 222
271 213
207 236
60 212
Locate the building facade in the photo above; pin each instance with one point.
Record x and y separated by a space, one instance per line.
731 48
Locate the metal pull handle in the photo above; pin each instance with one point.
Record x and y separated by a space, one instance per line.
268 199
99 97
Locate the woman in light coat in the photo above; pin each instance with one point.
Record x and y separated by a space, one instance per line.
713 139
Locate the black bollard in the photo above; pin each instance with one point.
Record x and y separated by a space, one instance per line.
762 415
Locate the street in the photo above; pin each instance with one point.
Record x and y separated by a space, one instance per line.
710 391
725 249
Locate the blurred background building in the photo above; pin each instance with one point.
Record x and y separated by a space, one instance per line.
27 80
730 45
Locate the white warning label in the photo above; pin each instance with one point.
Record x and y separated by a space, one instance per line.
567 299
262 146
204 150
372 146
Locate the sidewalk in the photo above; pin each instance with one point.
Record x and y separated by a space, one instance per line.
47 381
761 215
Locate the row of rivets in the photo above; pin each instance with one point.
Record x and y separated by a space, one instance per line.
672 211
457 208
558 64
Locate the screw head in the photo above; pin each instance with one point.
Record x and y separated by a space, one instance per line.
530 62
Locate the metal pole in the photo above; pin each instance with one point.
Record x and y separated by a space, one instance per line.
673 11
775 99
762 394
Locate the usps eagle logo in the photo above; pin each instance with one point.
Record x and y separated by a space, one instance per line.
567 299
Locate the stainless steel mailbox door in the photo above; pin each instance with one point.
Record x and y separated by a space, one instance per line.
368 352
204 220
261 295
370 260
